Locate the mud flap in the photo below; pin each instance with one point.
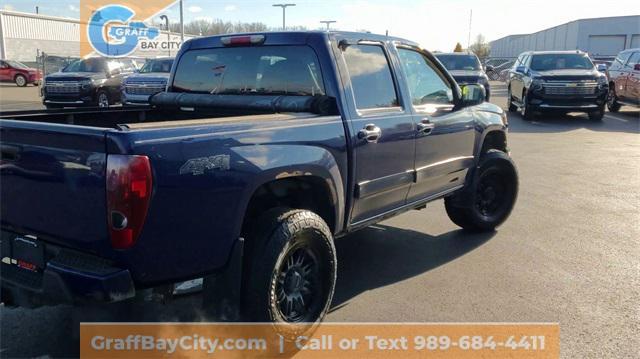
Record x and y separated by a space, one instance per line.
221 291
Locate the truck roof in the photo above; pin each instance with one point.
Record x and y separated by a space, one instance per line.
297 37
464 53
556 52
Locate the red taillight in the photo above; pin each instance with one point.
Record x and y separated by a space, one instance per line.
243 40
129 185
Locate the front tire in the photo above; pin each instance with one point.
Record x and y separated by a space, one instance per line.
20 80
612 99
490 198
102 99
526 111
597 115
291 273
510 105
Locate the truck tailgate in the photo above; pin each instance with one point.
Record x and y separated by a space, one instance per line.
52 183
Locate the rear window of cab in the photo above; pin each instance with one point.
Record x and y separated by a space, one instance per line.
257 70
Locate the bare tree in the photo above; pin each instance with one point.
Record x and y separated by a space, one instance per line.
480 47
204 27
458 48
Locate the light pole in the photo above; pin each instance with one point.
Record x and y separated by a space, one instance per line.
469 39
181 23
328 23
284 15
166 22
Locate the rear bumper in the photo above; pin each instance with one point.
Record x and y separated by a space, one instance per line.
66 276
71 277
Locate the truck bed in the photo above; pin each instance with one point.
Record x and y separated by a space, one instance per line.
53 177
180 109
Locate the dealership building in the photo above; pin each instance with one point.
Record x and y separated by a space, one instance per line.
601 37
24 36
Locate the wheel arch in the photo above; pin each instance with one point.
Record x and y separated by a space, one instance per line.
494 139
311 192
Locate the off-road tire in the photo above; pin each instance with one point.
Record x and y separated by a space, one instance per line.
466 209
278 236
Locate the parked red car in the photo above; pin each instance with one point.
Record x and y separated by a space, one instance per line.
19 73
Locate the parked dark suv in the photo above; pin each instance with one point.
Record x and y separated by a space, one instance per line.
624 80
559 81
465 69
94 81
152 78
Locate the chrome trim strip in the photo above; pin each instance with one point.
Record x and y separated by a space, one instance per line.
568 106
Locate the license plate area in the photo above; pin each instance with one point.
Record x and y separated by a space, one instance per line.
28 253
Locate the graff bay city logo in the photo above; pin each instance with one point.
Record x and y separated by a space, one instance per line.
120 40
117 28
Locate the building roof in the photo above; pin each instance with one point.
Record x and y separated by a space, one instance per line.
567 23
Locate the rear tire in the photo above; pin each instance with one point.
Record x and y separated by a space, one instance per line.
290 275
490 198
20 80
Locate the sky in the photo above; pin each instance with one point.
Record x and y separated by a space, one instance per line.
436 25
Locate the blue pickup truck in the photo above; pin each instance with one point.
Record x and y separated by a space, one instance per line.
264 150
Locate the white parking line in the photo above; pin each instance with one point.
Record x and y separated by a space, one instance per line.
609 115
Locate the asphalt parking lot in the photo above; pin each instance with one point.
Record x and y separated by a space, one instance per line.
568 254
14 98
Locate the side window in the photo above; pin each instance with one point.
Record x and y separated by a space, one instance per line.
426 85
622 58
127 65
518 62
371 79
634 59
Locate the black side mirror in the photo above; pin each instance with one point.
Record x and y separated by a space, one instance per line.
472 94
489 68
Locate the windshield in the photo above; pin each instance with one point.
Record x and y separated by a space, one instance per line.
549 62
260 70
460 62
157 66
16 64
86 65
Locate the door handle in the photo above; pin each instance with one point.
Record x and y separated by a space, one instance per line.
370 133
425 126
